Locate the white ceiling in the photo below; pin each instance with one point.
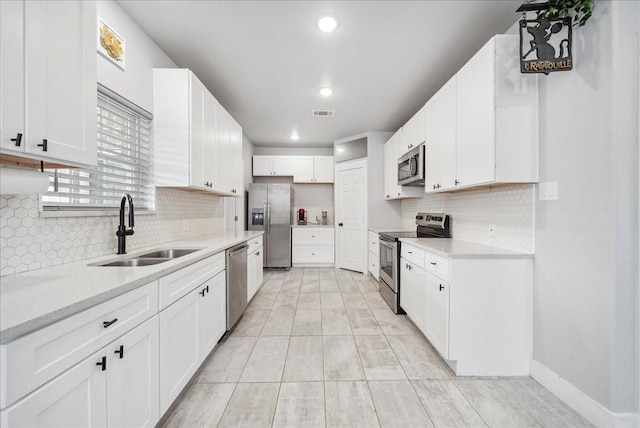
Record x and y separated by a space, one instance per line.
266 60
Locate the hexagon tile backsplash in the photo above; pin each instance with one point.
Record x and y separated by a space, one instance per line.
509 208
29 242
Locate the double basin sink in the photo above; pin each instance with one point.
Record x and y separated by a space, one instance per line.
150 258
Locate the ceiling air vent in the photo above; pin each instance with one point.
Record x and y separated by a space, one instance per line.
323 113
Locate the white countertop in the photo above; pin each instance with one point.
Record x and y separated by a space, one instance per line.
326 226
32 300
376 229
456 248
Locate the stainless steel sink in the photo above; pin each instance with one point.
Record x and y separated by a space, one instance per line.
134 262
170 253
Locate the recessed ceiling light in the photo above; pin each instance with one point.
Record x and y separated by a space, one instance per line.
294 136
325 92
327 23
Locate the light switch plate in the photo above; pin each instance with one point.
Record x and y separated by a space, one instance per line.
548 191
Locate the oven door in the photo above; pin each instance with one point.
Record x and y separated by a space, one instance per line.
388 263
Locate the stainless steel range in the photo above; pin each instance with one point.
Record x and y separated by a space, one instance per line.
429 226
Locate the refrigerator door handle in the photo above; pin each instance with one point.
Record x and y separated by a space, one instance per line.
269 214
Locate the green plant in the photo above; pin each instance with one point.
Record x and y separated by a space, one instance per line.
579 10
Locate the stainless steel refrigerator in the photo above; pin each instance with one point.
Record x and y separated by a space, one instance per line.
270 209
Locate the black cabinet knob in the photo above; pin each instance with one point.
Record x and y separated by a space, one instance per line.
120 351
18 139
106 324
102 363
44 145
340 224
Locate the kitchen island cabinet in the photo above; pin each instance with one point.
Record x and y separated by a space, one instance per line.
467 297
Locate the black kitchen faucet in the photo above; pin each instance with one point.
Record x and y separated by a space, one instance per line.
122 229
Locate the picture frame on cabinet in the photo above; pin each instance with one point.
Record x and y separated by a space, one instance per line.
111 45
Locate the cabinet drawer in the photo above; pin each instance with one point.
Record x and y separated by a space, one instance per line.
312 236
374 244
413 254
254 244
177 284
308 254
438 266
32 360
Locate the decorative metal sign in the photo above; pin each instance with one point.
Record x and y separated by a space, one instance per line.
545 46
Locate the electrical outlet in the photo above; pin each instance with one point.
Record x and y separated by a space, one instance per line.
492 230
185 225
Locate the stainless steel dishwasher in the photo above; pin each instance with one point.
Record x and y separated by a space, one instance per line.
236 283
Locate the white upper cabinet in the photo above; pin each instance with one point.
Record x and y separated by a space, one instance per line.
273 165
391 188
313 169
413 132
497 118
440 148
48 81
198 145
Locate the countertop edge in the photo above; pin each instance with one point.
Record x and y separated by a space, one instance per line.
33 324
483 251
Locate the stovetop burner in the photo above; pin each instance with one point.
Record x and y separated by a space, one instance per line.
429 226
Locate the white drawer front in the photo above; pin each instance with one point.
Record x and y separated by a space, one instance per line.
34 359
254 244
438 266
312 236
413 254
177 284
307 254
374 244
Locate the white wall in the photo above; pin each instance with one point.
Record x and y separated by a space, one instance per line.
586 243
135 83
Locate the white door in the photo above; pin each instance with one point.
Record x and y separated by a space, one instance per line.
323 169
351 215
132 377
224 149
198 177
76 398
436 319
212 319
11 74
303 169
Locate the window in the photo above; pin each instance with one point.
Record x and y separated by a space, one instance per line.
125 164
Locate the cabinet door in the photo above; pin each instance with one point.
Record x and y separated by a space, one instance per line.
196 130
447 134
262 166
212 314
251 275
432 144
11 74
258 275
407 287
413 132
60 80
436 321
391 188
418 291
323 169
224 150
210 136
282 165
476 119
76 398
179 357
303 169
236 186
132 377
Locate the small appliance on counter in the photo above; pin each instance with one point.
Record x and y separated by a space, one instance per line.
324 218
302 217
428 226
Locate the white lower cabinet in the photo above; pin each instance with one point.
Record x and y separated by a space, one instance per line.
312 246
435 323
255 262
189 329
374 255
412 292
475 311
117 387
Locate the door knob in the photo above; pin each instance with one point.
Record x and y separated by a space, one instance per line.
340 224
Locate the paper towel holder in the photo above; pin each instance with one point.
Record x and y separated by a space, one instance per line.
17 181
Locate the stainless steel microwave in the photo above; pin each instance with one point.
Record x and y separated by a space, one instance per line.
411 167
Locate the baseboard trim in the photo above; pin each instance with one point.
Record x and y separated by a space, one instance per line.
586 406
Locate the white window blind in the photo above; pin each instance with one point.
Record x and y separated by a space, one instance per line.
125 165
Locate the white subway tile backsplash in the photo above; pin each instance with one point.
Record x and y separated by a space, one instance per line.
509 208
29 242
314 198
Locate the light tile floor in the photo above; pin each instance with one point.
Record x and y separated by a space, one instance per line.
319 347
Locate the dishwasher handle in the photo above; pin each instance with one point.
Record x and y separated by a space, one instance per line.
236 250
